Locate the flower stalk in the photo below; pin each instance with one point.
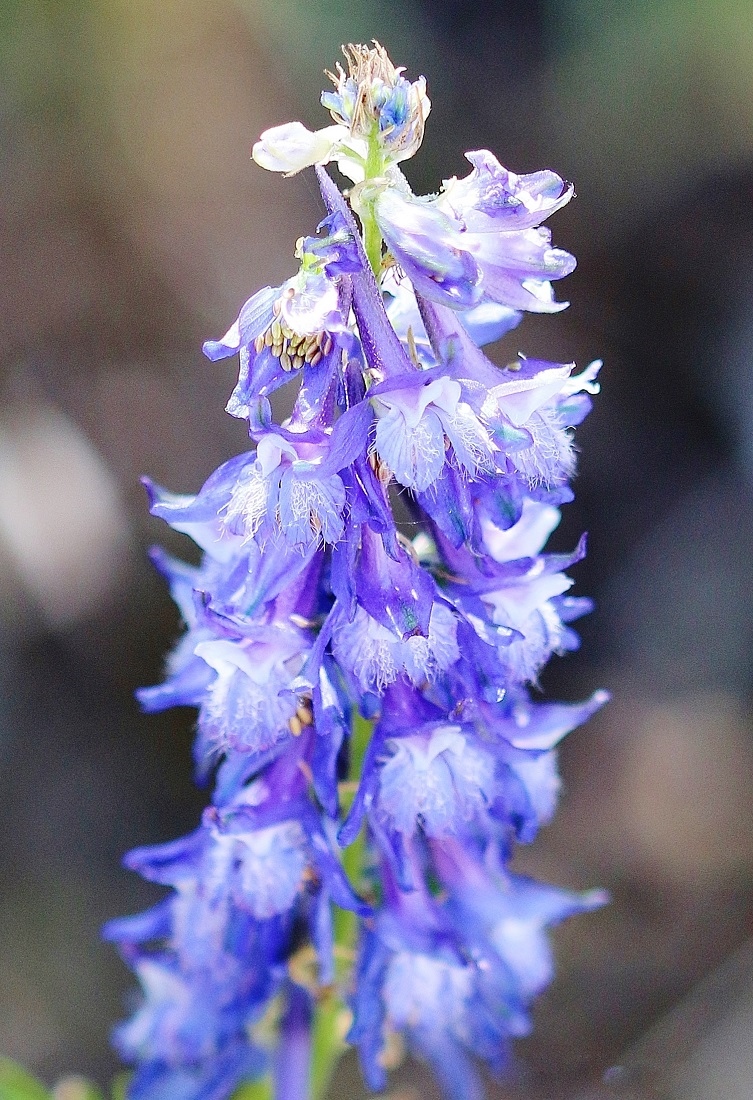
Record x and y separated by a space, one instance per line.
365 702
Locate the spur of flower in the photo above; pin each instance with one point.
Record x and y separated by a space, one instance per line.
365 690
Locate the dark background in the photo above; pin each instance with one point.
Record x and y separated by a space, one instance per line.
133 225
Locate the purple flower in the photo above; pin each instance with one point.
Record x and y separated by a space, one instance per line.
416 423
285 491
436 779
493 199
354 683
378 654
509 914
481 237
297 330
416 977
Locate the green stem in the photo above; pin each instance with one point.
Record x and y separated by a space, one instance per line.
372 242
372 238
327 1040
327 1044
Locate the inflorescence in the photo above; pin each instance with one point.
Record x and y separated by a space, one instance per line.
364 695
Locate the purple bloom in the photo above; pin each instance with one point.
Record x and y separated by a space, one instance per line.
351 681
416 977
493 199
284 491
480 238
510 914
378 654
436 778
297 330
245 708
414 425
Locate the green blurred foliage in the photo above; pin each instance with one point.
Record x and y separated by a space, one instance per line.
17 1084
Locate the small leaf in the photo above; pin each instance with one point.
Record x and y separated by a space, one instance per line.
17 1084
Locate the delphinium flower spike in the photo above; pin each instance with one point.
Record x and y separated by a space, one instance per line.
365 699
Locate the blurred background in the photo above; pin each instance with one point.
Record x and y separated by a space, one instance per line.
133 225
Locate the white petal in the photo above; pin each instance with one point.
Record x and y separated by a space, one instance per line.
527 537
519 398
514 604
291 147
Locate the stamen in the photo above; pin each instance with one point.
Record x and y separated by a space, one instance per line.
305 715
412 346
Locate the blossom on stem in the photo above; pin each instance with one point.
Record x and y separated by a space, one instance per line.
364 684
453 264
374 108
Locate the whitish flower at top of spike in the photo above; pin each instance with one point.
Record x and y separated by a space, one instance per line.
379 120
374 96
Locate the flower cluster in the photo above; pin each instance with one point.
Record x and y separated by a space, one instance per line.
364 695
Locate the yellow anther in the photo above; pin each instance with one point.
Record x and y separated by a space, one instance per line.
303 622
